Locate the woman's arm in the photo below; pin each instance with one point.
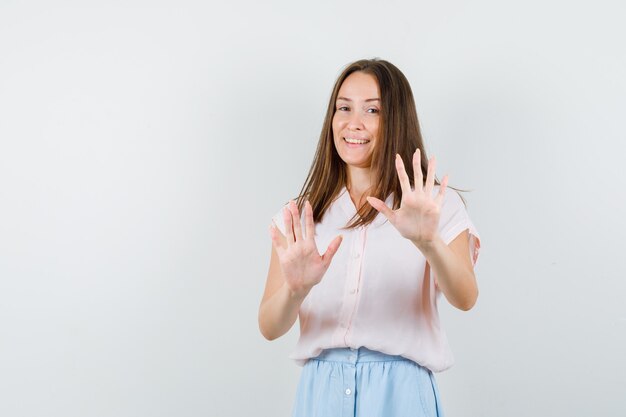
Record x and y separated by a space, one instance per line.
452 265
295 267
279 306
417 219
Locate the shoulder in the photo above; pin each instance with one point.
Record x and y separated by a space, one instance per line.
278 218
454 217
452 199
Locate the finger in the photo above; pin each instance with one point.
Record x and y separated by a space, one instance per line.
430 177
297 223
288 225
381 207
309 223
405 185
417 170
331 250
442 190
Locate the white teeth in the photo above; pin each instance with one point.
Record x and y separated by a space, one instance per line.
356 141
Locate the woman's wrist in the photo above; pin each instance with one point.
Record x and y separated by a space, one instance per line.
296 294
429 246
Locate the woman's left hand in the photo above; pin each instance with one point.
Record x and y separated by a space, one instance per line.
417 218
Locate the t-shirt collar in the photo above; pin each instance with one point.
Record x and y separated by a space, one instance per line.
346 204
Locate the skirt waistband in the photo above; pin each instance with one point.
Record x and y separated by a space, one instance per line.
360 355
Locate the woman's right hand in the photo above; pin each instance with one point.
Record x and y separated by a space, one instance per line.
301 264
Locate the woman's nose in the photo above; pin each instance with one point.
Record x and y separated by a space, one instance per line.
355 122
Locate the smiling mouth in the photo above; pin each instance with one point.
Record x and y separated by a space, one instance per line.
356 141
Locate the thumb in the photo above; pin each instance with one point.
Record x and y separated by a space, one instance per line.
332 249
381 207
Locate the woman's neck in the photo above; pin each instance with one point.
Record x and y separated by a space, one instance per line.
358 184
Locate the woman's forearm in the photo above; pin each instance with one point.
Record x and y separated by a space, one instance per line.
279 312
455 277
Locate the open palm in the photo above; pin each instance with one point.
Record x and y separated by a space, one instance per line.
417 218
301 264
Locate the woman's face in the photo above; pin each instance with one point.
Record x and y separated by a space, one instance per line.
356 119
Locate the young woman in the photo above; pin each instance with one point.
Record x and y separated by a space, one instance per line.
391 239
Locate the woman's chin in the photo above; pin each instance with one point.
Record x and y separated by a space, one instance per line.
357 163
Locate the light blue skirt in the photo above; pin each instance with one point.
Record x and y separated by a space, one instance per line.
364 383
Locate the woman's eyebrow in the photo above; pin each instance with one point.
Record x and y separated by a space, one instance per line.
347 99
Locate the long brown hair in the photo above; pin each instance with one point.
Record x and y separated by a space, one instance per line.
399 133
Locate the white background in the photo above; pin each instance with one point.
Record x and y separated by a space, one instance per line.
144 146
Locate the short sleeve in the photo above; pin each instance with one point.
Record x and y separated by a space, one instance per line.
454 219
279 220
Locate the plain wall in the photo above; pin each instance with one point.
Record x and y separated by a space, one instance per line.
144 147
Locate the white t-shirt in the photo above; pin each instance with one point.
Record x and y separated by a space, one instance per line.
378 291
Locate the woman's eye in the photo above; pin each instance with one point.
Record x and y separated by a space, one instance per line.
372 110
342 108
